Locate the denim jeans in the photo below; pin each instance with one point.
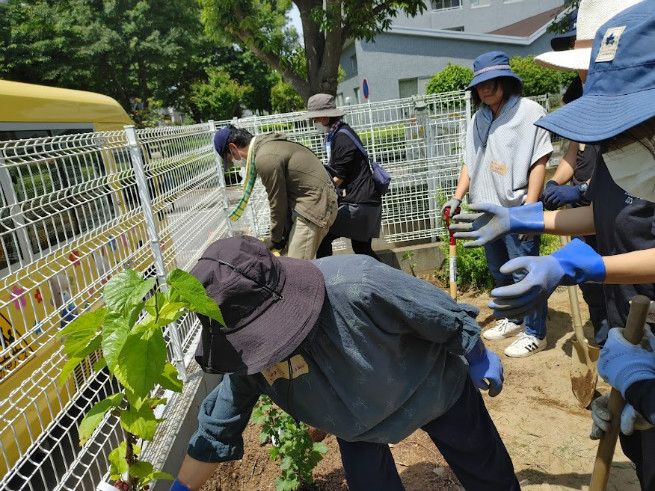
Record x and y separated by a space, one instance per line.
466 437
501 251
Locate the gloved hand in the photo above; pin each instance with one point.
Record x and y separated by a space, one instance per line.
275 245
178 486
574 263
549 184
496 221
485 369
630 419
622 364
558 196
453 203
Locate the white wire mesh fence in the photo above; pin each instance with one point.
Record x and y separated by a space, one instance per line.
77 209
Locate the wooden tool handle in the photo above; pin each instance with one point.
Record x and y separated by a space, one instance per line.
634 330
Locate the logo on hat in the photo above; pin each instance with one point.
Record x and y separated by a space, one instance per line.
610 44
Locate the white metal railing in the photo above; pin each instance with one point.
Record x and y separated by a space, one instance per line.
75 210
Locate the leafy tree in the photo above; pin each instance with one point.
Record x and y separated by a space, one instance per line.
260 26
284 99
538 80
128 49
561 25
218 98
451 78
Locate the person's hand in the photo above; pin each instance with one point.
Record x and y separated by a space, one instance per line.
550 184
574 263
270 244
622 364
630 419
485 369
496 221
558 196
452 204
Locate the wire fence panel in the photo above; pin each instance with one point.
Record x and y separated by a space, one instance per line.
77 209
72 217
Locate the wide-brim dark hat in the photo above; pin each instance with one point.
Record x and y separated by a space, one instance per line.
619 92
270 304
490 65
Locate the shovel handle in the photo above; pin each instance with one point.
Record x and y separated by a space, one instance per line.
634 330
452 253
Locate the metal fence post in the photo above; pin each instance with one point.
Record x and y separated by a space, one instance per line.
136 156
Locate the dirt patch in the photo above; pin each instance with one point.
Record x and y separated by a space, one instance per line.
545 432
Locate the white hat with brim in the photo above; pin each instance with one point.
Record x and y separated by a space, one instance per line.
573 59
591 15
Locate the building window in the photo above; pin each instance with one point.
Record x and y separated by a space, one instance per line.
407 87
357 98
480 3
353 65
446 4
457 28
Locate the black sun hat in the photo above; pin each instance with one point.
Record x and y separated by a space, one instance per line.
269 304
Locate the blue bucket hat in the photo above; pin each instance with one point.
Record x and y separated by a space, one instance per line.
220 141
491 65
620 89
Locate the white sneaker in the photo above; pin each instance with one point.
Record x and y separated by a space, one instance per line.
525 345
504 328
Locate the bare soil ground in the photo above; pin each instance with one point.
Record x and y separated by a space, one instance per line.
545 431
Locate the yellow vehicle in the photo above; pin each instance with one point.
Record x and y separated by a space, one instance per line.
55 252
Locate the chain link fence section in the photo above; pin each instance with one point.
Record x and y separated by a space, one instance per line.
73 215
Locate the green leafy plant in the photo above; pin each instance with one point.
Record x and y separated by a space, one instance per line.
129 330
292 445
409 256
450 79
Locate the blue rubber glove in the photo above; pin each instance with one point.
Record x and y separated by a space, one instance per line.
485 369
549 184
622 364
558 196
574 263
631 420
496 221
178 486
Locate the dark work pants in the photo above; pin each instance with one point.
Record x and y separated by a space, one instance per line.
594 297
465 436
359 247
640 449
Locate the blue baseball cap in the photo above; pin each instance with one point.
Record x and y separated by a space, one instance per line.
490 65
619 92
220 141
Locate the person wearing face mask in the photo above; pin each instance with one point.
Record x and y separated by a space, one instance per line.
617 110
301 196
505 163
360 204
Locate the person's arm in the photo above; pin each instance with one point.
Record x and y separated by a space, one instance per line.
536 180
631 267
194 473
462 184
271 172
223 416
566 167
462 188
570 221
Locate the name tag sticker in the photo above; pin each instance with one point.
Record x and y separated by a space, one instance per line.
281 370
498 167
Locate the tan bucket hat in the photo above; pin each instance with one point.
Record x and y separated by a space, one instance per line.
591 15
321 106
